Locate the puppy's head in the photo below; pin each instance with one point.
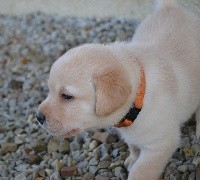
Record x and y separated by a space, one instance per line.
88 88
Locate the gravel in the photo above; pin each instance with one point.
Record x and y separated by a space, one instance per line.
29 44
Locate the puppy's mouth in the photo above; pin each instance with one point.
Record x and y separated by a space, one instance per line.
61 132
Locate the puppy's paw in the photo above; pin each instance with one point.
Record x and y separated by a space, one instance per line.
130 161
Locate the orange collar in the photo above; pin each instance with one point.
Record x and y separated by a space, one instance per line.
138 104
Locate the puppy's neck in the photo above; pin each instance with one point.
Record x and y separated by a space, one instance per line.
130 117
127 56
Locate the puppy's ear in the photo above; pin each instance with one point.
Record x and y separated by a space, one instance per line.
112 91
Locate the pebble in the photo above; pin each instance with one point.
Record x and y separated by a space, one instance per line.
74 146
198 173
100 136
3 170
103 164
64 146
22 167
196 160
48 172
55 176
104 148
68 171
93 169
115 153
112 138
41 173
20 177
93 162
88 176
39 178
8 147
118 171
93 144
99 177
59 165
192 176
39 147
105 157
33 159
196 149
52 146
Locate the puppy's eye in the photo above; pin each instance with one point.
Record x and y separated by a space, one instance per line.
66 96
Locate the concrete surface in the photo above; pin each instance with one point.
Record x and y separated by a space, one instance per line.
87 8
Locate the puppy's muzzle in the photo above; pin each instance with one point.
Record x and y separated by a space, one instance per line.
40 117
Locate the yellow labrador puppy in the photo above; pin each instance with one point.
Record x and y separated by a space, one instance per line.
153 81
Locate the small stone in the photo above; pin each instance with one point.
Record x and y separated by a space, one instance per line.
123 149
74 146
117 163
196 149
93 162
88 176
106 173
112 138
191 168
185 175
59 165
55 176
104 148
103 164
52 146
8 147
182 168
188 151
196 161
33 159
93 144
172 177
93 169
39 178
68 171
24 60
118 171
99 177
96 153
56 155
69 161
198 173
123 156
82 165
22 167
20 177
48 172
18 131
15 84
192 176
178 163
39 147
85 146
115 152
100 136
119 144
3 170
105 157
41 172
64 146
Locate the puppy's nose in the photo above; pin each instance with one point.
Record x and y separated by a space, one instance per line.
40 117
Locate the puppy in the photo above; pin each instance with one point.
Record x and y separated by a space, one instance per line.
157 74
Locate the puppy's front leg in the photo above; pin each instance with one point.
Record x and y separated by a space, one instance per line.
151 163
134 154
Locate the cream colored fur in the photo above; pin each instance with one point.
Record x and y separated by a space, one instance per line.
104 80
